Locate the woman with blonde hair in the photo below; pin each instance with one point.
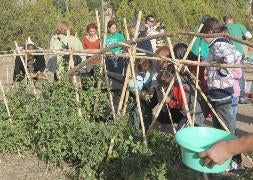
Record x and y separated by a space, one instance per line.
63 40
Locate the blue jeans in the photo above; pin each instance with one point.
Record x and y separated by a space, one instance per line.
242 82
224 110
235 100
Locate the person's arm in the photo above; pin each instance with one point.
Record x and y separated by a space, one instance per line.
139 81
245 32
19 71
41 63
222 151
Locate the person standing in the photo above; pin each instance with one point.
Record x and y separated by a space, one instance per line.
91 41
61 41
238 31
152 30
35 64
114 63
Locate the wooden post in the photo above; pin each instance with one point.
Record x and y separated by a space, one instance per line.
71 65
196 92
99 36
207 101
109 152
99 27
168 109
26 71
125 90
131 52
7 75
128 71
180 82
106 75
5 102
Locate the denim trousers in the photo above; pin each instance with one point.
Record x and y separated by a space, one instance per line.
235 100
242 82
224 110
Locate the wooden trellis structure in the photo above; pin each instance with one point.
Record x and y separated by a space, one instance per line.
131 55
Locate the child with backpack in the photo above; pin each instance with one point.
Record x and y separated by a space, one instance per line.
220 80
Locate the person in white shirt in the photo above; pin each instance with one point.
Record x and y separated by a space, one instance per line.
152 29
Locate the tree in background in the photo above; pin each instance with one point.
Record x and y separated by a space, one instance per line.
38 19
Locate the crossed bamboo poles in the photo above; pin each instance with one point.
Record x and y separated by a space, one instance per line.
131 44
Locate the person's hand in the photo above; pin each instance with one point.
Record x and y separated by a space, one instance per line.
34 75
217 154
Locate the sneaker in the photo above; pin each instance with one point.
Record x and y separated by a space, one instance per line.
243 101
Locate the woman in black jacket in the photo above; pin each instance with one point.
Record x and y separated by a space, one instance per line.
35 65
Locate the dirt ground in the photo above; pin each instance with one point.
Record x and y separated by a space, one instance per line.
30 168
14 167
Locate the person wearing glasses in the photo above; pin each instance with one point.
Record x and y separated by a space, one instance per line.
152 29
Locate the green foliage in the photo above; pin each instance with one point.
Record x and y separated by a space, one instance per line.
38 21
51 127
20 21
184 14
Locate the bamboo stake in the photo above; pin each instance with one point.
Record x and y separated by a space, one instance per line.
188 115
152 37
128 71
125 90
99 36
168 109
161 105
196 92
101 70
7 75
106 75
208 102
99 27
26 57
71 65
26 71
109 153
131 52
140 56
5 102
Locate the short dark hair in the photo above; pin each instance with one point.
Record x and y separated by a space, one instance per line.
164 78
180 50
224 29
211 25
133 23
226 18
205 17
28 46
149 16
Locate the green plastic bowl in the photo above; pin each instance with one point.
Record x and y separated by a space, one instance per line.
197 139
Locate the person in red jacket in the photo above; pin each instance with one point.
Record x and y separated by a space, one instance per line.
91 41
